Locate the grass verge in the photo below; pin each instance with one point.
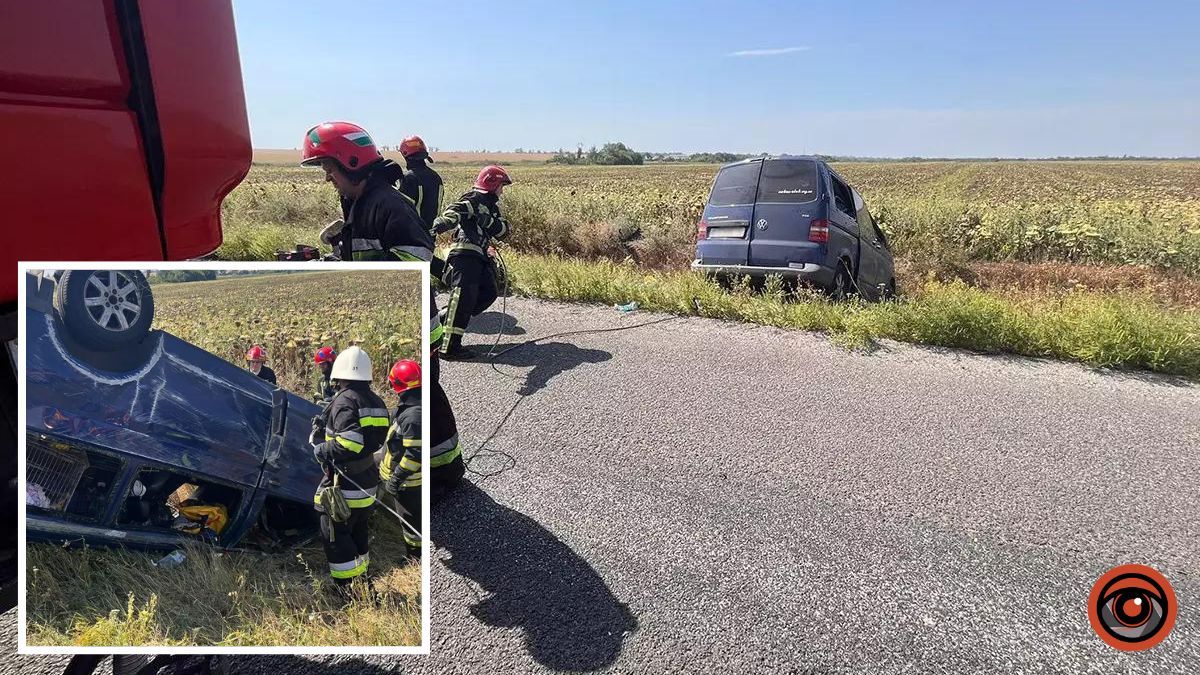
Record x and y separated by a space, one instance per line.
113 597
1119 330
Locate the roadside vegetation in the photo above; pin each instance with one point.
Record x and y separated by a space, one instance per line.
1097 262
110 597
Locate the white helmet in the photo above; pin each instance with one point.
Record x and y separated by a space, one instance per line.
352 364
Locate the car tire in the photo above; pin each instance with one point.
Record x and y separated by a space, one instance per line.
104 310
841 288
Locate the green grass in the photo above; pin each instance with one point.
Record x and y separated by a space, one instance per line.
1118 330
114 597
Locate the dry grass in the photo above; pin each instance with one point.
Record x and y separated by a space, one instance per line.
1171 289
98 597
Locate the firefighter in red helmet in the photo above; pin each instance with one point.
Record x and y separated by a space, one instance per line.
421 183
476 221
400 464
378 222
423 186
256 358
323 392
401 460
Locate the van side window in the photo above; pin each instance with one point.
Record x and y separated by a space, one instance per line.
841 197
867 223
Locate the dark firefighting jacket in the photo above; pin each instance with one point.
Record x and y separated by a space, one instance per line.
382 224
356 424
475 219
423 186
400 467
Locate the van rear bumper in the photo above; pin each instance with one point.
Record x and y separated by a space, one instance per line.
810 272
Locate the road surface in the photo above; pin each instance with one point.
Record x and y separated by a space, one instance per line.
701 496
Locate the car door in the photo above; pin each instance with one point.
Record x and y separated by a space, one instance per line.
843 222
874 268
290 471
785 206
725 237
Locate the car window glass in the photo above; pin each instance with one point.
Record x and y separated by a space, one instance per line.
735 185
863 216
790 181
841 197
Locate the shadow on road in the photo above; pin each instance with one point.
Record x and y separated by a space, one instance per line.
533 581
547 359
490 323
299 665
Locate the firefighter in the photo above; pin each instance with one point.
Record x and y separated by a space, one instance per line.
256 358
423 186
378 222
344 439
421 183
324 357
370 207
475 219
446 466
400 464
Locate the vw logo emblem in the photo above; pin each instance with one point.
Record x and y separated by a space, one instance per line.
762 224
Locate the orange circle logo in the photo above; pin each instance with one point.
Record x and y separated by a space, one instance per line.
1132 607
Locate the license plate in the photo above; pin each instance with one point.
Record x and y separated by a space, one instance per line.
727 232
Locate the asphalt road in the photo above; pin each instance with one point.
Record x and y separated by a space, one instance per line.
698 496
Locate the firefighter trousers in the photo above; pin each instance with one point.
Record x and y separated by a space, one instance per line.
472 291
346 545
408 504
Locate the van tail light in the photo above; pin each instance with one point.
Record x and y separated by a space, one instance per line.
702 230
818 231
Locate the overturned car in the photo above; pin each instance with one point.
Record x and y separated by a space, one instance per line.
135 437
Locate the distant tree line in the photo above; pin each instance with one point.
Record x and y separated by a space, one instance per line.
180 276
607 154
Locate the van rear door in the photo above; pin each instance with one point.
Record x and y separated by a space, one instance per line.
727 216
786 203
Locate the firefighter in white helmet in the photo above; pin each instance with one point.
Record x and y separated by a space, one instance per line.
344 439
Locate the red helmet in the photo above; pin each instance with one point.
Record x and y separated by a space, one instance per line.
347 143
256 353
324 355
412 145
490 178
404 375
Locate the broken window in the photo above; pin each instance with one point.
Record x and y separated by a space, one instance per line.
64 478
164 499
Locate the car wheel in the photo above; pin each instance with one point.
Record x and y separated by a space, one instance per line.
841 288
105 309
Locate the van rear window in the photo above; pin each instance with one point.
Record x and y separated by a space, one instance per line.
735 185
788 181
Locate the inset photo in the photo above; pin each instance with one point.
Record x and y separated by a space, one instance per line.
223 457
